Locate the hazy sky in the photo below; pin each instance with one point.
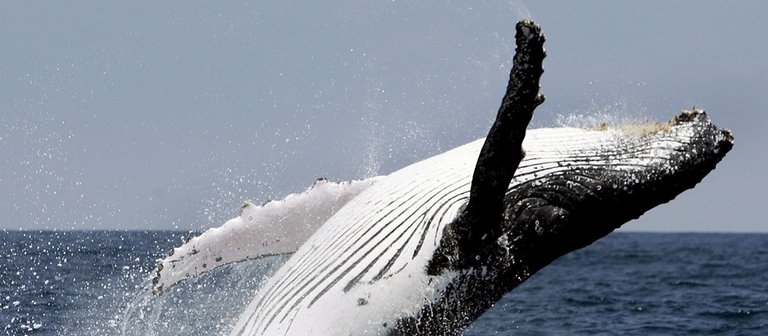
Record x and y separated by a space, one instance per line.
131 115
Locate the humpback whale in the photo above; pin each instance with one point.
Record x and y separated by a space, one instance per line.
427 249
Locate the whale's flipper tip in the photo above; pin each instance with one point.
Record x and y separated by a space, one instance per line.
472 238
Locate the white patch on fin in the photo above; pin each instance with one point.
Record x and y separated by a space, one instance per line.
276 227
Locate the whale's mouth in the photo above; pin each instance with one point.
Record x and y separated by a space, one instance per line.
603 178
651 128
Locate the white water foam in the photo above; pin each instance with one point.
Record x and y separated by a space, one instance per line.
201 306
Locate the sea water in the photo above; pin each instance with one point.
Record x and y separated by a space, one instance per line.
97 283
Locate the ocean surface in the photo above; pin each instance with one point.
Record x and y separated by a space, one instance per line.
97 283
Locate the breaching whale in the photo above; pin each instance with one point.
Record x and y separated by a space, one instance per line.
430 247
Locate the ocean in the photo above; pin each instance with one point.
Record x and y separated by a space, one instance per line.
97 283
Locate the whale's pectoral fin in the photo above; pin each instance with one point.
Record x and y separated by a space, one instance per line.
274 228
473 237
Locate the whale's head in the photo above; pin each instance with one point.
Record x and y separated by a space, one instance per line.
603 178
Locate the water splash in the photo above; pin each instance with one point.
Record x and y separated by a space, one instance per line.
372 158
521 12
612 111
201 305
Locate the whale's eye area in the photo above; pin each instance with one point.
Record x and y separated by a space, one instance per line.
541 219
550 219
557 217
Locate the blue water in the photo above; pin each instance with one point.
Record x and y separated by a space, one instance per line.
96 283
